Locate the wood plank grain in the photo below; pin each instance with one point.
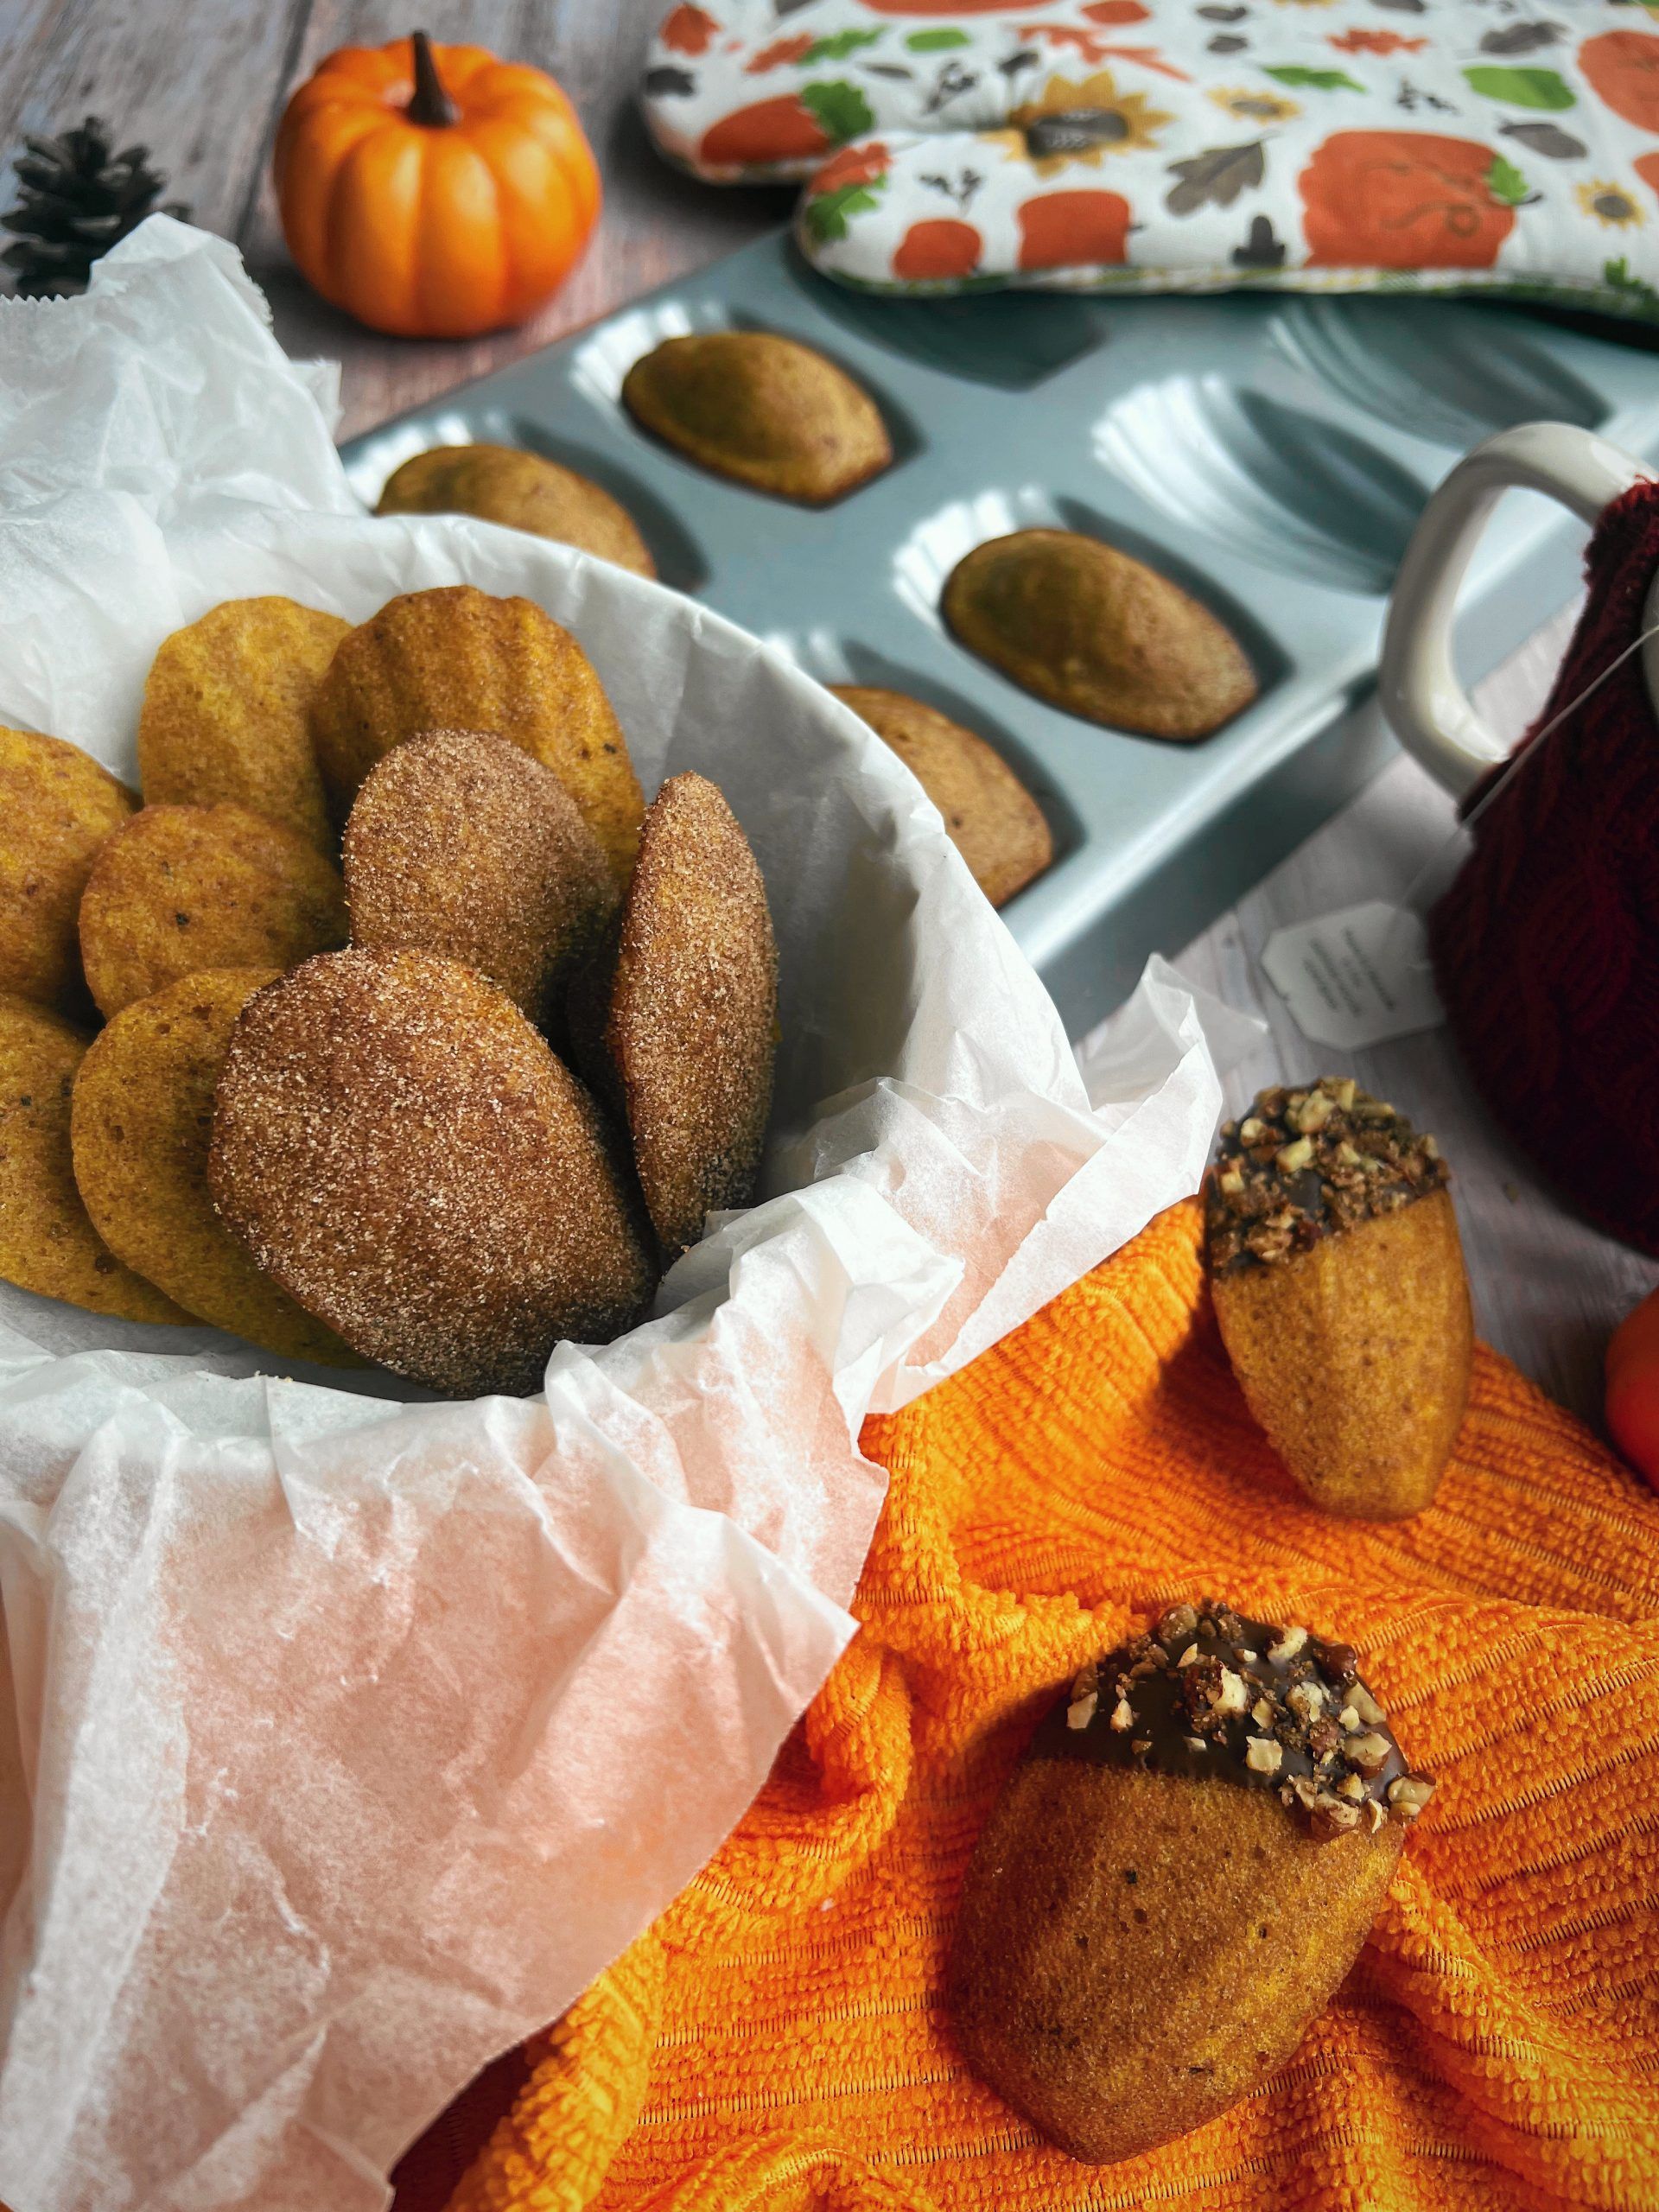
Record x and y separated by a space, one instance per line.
194 82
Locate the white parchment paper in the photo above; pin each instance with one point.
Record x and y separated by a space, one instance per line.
349 1738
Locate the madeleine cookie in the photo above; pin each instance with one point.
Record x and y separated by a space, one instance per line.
1177 1877
48 1243
993 819
57 806
767 410
140 1124
395 1146
1098 633
181 888
459 843
525 490
1340 1292
692 1022
455 659
225 717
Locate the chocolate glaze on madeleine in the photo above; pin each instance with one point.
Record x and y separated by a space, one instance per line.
1340 1293
1178 1875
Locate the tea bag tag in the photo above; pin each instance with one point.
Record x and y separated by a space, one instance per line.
1357 977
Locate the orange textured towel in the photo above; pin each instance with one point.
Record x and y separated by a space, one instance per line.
776 2043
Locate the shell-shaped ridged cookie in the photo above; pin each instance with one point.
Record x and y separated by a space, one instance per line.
48 1243
460 844
457 658
399 1148
181 888
140 1123
225 717
57 807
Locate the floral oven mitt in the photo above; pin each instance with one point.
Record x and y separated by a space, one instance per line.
1187 144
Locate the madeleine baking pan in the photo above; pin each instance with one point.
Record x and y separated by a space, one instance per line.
1271 454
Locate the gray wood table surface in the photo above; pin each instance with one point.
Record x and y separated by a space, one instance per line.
203 82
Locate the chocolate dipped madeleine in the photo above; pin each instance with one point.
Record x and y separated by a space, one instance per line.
1340 1292
1178 1874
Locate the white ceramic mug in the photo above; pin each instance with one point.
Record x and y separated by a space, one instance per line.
1430 712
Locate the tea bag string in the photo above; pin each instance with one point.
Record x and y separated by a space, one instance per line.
1438 870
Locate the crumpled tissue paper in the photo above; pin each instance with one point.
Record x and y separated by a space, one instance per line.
349 1738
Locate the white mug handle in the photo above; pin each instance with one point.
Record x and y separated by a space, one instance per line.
1430 713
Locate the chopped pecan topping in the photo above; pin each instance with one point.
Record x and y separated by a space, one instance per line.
1308 1162
1208 1694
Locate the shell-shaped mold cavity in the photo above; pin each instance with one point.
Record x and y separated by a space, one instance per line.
763 409
1431 368
1011 339
1265 482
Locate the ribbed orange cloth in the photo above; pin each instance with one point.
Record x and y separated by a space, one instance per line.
776 2043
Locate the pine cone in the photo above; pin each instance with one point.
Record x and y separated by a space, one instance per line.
76 200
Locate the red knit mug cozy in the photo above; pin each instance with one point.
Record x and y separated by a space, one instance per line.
1546 947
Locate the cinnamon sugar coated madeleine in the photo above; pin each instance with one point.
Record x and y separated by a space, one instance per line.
140 1125
225 717
1176 1878
1098 633
1339 1288
767 410
525 490
181 888
459 843
992 819
692 1022
48 1243
401 1151
57 806
455 659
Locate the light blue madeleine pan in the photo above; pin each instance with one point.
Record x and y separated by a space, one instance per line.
1269 452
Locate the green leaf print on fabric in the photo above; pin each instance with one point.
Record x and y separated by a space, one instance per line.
1542 88
840 111
941 41
839 45
1313 81
825 215
1505 182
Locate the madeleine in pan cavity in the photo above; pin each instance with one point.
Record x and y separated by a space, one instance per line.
993 819
525 490
1098 633
1339 1288
764 411
1178 1875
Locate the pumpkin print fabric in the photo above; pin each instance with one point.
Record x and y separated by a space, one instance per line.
950 145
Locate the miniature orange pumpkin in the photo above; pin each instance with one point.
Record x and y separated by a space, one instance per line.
433 191
1632 1401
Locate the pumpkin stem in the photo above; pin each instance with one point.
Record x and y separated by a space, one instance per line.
431 105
